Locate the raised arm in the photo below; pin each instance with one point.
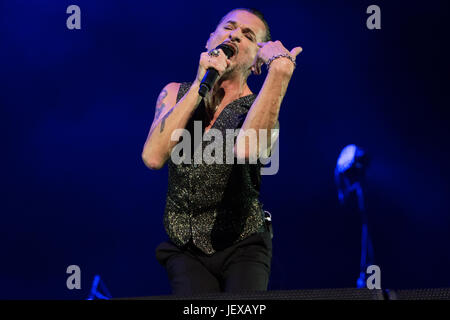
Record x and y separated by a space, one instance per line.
170 115
265 109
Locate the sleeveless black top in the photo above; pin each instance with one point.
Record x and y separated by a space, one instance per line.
213 205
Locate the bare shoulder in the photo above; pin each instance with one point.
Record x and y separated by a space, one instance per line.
172 88
168 94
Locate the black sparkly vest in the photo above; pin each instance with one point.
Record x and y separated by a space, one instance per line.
213 205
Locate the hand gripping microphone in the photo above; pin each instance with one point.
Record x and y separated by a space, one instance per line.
211 74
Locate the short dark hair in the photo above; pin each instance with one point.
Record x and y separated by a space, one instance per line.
259 14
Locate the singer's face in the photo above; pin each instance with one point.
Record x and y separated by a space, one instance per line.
244 30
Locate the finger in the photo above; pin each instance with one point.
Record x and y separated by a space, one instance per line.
222 58
258 67
257 70
204 55
261 44
219 65
254 69
296 51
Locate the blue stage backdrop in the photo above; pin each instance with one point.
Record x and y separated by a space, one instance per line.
76 107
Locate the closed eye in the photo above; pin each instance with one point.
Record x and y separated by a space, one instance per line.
248 36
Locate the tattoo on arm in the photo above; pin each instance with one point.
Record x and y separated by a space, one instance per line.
163 121
159 103
161 97
158 111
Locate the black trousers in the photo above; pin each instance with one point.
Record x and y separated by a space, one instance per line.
243 267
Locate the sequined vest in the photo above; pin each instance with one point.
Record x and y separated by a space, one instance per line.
213 205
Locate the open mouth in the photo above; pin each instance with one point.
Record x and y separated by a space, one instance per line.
233 47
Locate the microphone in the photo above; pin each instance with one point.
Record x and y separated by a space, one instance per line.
211 74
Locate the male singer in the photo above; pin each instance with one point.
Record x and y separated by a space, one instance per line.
218 238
